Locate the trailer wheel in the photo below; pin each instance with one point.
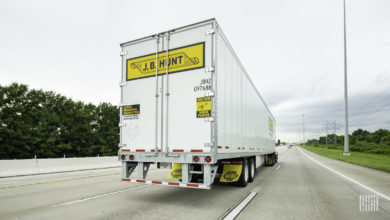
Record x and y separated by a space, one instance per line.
252 170
243 181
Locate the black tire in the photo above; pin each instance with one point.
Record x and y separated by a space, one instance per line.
252 170
243 181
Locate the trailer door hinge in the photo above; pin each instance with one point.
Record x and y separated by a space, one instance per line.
122 124
209 119
122 83
122 104
208 144
121 145
211 31
123 53
209 93
209 69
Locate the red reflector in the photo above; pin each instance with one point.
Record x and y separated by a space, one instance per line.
196 159
208 159
123 157
196 150
140 181
219 147
155 150
131 157
192 185
128 180
227 147
174 184
140 150
125 150
156 182
178 150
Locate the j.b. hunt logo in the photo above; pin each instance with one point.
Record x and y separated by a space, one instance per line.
179 59
174 61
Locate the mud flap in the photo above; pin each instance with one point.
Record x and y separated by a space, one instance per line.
175 172
230 173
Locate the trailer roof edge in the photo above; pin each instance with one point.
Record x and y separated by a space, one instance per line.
211 20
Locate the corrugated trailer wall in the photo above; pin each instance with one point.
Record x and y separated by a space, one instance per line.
244 123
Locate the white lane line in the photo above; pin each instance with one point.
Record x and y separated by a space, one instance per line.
100 196
278 167
346 177
57 181
233 213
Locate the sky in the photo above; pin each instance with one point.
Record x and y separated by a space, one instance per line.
291 49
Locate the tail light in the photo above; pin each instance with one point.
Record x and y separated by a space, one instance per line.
208 159
123 157
196 159
131 157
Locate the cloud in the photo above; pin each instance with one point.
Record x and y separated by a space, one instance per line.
369 111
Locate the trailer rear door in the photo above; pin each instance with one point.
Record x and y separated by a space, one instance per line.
168 112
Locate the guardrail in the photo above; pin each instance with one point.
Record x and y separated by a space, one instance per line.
24 167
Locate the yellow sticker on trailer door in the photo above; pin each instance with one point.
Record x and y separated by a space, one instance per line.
179 59
230 173
203 107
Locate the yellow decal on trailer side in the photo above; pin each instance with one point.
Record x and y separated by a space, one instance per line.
203 107
270 124
179 59
230 173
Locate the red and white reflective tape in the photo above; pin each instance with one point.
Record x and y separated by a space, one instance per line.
164 183
173 150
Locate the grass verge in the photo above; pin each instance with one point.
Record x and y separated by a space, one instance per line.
376 161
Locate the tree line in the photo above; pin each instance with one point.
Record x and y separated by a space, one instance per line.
48 125
360 141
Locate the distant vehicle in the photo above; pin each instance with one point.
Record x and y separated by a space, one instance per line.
290 146
188 103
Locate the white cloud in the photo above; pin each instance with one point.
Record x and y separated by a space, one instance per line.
293 50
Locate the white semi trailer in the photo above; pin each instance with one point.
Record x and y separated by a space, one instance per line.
188 103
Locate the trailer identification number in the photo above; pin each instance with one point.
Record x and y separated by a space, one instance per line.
131 112
179 59
203 107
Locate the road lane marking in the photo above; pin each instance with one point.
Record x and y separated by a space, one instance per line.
346 177
57 181
237 209
278 167
99 196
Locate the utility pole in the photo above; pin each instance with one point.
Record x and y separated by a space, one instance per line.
326 133
303 127
334 130
346 138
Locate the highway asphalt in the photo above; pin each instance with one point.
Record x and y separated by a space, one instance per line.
301 186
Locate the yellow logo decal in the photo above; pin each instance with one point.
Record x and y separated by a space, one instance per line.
179 59
230 173
270 124
175 171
